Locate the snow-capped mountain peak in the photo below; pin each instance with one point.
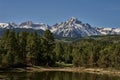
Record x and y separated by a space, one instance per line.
72 19
69 28
8 25
73 28
3 25
26 25
108 30
36 26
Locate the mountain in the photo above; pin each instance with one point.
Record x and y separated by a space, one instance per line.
26 25
106 31
35 26
73 28
8 25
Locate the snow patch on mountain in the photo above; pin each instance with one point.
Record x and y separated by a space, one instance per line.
69 28
106 31
8 25
26 25
3 25
73 28
36 26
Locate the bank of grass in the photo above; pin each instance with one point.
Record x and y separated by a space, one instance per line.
69 69
61 66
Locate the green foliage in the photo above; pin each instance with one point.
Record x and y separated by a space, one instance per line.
104 53
31 49
26 49
48 44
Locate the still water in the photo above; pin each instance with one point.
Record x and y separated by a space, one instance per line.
54 75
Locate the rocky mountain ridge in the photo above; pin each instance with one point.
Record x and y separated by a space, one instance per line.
69 28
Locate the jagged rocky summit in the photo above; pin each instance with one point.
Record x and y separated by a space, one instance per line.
69 28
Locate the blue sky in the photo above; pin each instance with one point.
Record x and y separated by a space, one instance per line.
104 13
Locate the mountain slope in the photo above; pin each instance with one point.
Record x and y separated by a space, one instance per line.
73 28
106 31
8 25
26 25
35 26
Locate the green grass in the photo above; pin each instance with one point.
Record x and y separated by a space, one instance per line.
62 64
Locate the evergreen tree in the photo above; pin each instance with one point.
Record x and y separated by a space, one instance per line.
48 43
59 51
33 49
22 45
12 47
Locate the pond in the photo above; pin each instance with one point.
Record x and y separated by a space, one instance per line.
55 75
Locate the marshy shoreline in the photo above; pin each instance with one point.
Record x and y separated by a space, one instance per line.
66 69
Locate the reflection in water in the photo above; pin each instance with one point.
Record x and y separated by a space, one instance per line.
52 75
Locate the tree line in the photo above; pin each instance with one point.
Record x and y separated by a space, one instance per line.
25 49
102 53
22 49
